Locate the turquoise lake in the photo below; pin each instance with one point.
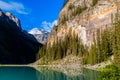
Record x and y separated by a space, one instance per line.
29 73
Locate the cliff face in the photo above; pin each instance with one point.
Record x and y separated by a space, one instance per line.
84 18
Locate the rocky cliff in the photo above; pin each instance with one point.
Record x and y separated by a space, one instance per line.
84 18
16 45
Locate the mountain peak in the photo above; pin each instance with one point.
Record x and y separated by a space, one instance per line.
8 14
13 18
35 31
39 34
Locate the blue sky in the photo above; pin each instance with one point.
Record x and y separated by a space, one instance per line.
34 13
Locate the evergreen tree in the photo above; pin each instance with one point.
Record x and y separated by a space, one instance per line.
116 43
106 44
99 46
93 53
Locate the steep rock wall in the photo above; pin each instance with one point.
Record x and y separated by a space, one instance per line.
84 19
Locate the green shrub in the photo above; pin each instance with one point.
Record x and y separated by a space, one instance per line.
94 2
71 6
79 10
64 19
110 72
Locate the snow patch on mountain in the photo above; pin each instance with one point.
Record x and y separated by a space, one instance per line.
35 31
40 35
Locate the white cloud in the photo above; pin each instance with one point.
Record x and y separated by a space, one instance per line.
47 26
13 6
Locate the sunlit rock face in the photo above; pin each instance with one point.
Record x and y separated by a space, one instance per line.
0 12
13 18
86 23
81 31
16 45
40 35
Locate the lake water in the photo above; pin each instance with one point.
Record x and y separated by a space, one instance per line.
29 73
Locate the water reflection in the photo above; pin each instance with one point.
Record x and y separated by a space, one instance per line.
90 74
42 73
47 74
54 75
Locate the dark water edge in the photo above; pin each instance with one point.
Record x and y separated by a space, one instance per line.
30 73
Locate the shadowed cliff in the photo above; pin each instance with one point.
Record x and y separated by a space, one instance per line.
16 45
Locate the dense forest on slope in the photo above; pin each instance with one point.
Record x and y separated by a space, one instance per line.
70 45
106 44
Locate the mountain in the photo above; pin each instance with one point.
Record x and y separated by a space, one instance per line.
13 18
88 29
16 45
84 18
40 35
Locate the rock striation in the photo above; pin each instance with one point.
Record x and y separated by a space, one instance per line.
84 18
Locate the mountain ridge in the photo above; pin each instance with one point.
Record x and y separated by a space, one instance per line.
89 31
16 45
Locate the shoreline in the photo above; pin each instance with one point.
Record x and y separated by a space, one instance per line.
67 64
12 65
69 71
94 67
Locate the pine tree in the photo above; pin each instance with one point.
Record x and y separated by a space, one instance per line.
116 43
106 44
99 47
